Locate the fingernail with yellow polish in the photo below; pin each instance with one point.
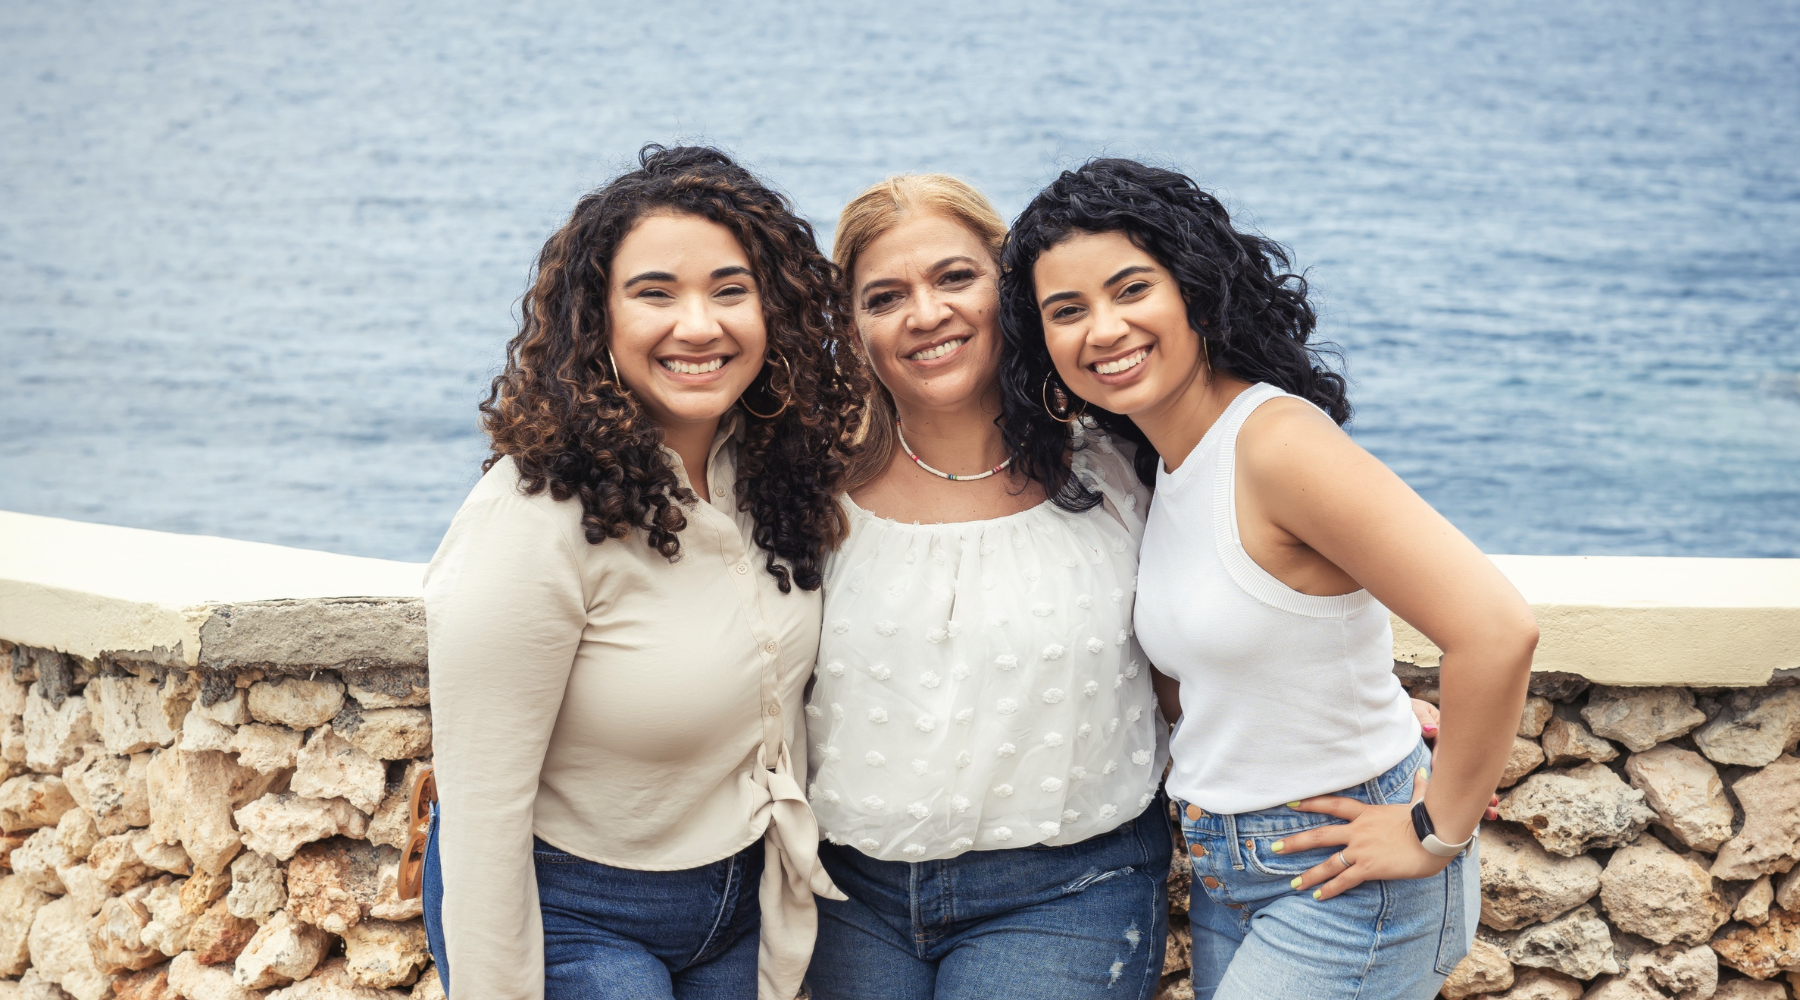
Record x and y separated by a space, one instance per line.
1295 883
1424 773
1293 805
1276 846
1318 893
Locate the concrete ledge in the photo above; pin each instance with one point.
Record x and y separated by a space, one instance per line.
93 591
1630 620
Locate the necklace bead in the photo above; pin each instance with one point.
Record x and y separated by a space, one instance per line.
943 475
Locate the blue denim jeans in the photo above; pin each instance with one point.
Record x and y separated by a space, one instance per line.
1086 920
1255 937
621 934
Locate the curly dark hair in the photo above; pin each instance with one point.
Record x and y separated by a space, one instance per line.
1251 310
558 410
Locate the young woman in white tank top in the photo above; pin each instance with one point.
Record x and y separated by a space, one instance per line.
1325 863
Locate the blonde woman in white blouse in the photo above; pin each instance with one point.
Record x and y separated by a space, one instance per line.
984 743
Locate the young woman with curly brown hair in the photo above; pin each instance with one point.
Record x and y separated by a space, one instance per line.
625 611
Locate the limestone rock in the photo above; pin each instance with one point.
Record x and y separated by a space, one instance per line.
189 979
19 904
1655 893
330 766
233 710
332 884
1753 907
37 860
218 936
431 986
116 935
386 733
1577 810
1537 712
1577 944
128 712
201 733
55 736
1523 884
277 825
1483 970
10 842
1641 718
1567 741
332 981
1522 759
32 986
266 748
30 801
169 924
1761 952
296 702
384 954
1787 891
393 818
199 893
407 687
1770 838
191 799
148 984
283 950
84 887
258 887
1686 793
113 789
12 696
1178 948
1541 984
1753 728
1749 989
117 864
76 835
60 952
171 858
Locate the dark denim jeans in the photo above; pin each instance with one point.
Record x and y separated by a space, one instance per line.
1086 921
621 934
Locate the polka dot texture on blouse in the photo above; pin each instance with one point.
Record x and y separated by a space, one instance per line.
979 686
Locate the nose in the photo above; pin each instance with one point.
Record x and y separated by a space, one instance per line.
695 321
1109 326
928 313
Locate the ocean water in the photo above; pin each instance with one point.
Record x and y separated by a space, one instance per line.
257 262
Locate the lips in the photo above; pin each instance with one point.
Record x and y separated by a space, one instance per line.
1123 364
933 353
690 367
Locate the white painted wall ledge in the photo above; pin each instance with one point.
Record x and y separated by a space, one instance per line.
93 590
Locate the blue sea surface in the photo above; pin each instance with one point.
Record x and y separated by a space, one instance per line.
258 262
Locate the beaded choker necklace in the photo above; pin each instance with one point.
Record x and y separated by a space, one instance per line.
944 475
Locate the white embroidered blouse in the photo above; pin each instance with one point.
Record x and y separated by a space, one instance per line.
979 686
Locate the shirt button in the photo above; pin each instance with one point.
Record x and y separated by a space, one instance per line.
718 491
1198 850
1210 882
770 647
774 709
743 568
1195 812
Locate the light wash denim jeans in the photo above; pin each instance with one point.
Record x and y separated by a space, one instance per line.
1079 922
621 934
1257 938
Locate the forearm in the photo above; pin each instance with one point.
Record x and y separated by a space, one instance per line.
1481 693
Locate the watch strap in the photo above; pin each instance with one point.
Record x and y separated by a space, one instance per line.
1427 834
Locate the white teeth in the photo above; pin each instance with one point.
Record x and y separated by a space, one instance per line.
687 368
1127 362
937 352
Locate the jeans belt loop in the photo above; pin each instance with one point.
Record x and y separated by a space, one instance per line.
1231 839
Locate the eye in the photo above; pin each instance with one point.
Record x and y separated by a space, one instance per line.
959 276
655 293
881 300
732 292
1064 312
1133 288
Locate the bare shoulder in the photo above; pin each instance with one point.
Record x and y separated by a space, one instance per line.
1285 436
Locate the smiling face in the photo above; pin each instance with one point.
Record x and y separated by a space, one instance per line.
686 323
1115 324
927 298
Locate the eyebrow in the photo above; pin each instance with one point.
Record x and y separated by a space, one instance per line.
1108 283
939 266
650 276
731 270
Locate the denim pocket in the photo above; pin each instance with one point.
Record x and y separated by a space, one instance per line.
1453 939
1262 857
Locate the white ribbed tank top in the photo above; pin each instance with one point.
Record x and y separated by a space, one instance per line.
1284 695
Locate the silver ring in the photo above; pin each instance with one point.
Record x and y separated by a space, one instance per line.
1346 862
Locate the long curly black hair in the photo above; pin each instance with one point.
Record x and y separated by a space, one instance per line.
1250 309
558 410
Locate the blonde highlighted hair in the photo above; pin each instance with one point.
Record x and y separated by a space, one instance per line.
867 218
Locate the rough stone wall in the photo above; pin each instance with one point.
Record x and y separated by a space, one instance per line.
213 834
1647 849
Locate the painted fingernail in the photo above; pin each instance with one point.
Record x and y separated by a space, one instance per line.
1295 883
1293 805
1431 729
1276 846
1318 893
1424 773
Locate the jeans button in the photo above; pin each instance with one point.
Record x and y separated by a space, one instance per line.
1199 851
1195 812
1210 882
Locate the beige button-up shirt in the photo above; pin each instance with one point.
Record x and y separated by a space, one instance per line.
627 709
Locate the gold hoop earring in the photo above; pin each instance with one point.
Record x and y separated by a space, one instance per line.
1044 398
615 369
785 401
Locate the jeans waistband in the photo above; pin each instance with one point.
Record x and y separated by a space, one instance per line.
1391 785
